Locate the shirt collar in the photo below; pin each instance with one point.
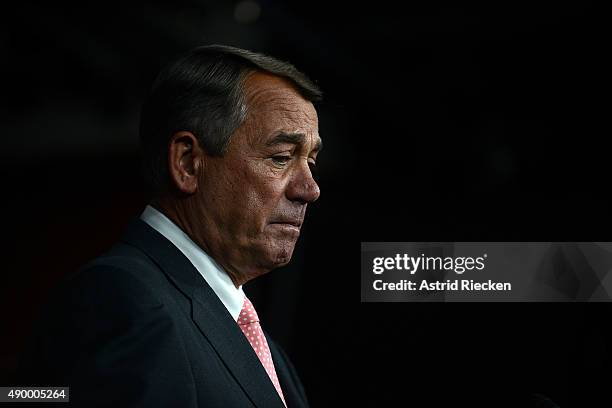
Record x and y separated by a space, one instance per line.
210 270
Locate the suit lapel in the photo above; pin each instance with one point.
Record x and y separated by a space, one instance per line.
209 314
288 382
233 347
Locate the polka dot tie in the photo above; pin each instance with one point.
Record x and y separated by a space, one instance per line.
249 324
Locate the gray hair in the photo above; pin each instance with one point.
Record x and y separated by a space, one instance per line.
203 92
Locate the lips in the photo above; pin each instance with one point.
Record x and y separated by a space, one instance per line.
289 217
295 223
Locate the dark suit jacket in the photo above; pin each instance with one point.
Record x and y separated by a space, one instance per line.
139 326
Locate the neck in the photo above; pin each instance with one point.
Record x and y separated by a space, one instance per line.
182 212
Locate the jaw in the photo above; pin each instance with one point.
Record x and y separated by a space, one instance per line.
275 251
247 256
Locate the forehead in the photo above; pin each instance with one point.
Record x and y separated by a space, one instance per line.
275 105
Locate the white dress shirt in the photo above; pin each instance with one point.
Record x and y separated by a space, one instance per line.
212 272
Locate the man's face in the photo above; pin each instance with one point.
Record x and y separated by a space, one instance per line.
255 196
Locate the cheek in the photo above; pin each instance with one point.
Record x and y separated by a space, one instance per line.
256 199
262 202
246 201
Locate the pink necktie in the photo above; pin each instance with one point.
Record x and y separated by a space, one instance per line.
249 324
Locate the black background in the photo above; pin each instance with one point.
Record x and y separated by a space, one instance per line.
443 123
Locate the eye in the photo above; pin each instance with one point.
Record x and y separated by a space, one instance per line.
281 160
313 167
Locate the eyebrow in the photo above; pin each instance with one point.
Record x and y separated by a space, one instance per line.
293 138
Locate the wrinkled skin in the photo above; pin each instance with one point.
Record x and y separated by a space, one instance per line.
245 209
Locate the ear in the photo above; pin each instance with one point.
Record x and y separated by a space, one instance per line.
184 158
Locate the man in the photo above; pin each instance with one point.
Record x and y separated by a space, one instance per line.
229 140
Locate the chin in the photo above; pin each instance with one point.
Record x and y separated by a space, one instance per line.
282 255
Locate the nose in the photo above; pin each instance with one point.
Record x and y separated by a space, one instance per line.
302 186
